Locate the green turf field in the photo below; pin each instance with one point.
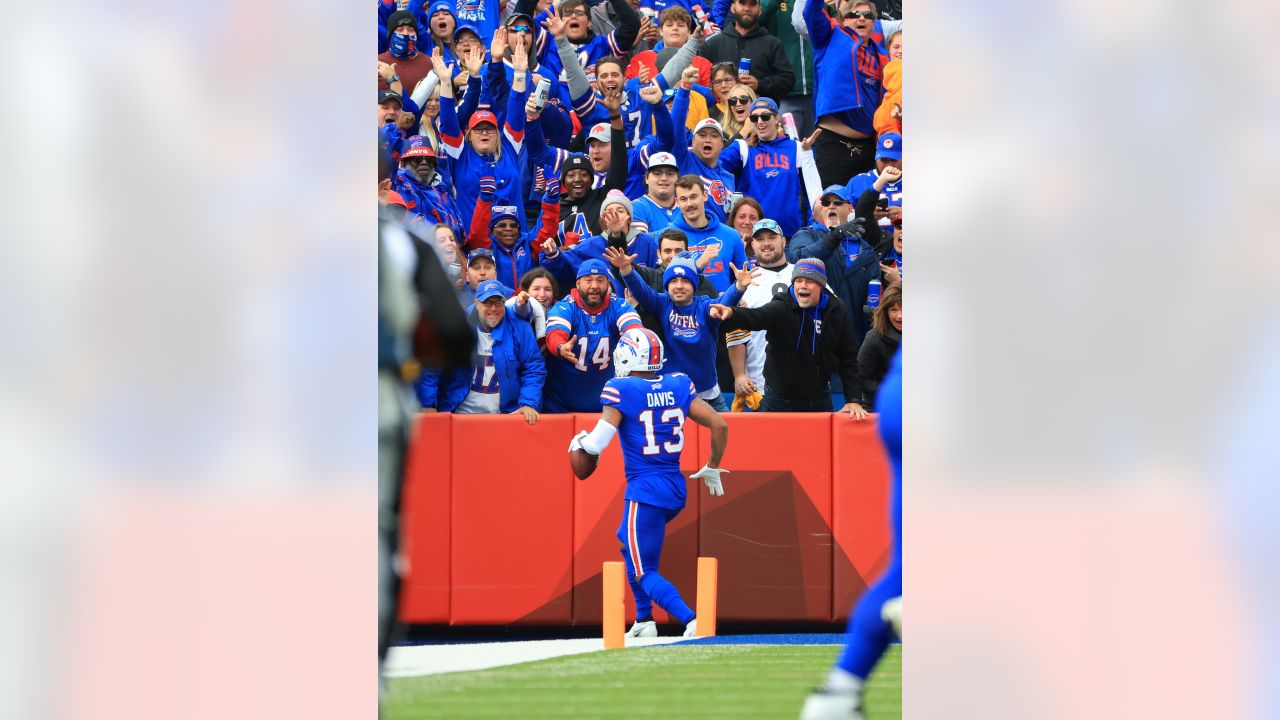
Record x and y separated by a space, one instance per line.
695 681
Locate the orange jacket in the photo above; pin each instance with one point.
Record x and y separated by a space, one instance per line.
884 121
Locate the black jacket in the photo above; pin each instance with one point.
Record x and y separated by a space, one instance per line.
873 362
769 63
805 347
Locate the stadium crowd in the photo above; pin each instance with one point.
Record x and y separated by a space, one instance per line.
728 175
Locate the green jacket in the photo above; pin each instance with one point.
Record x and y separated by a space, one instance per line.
775 16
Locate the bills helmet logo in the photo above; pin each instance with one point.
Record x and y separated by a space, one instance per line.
718 192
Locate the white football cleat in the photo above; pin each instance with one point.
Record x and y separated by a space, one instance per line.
691 630
824 705
891 612
648 628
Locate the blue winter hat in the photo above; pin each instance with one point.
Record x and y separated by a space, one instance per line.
811 269
439 5
490 289
889 146
682 268
503 212
593 267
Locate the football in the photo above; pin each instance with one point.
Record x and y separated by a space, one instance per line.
583 463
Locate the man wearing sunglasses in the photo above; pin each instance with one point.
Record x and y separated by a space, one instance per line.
836 237
766 167
851 92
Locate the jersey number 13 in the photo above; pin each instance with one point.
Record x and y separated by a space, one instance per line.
670 415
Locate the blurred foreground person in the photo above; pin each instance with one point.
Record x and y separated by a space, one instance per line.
879 611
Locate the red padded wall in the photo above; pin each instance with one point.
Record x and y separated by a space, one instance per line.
425 519
770 529
512 530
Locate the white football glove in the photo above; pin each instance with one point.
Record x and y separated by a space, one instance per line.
711 476
576 442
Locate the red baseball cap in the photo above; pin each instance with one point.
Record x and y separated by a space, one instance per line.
482 116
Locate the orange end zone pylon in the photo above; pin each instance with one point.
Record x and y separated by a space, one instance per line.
615 584
708 576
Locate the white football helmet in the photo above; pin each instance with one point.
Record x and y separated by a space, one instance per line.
638 349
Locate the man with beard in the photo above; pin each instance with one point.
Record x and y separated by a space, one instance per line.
582 330
747 348
656 209
411 64
640 119
771 73
689 331
836 237
578 199
417 183
809 339
851 90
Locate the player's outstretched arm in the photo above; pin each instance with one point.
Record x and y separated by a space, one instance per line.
702 413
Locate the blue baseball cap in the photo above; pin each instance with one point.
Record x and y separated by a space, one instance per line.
480 253
593 267
764 103
466 27
490 289
766 224
840 191
889 146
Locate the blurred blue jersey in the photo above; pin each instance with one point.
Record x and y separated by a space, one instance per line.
652 434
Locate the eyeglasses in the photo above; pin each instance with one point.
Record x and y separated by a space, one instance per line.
576 13
725 81
520 28
762 117
829 202
484 130
858 14
739 100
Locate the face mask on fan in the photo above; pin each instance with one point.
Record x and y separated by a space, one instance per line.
402 46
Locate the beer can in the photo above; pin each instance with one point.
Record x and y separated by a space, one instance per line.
542 93
744 66
873 294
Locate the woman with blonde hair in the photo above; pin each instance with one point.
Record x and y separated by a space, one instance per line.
735 124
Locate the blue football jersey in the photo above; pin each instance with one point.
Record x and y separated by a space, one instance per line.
574 387
652 434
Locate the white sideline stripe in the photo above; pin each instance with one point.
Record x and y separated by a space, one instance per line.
418 660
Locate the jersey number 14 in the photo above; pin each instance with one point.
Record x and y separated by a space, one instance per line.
671 415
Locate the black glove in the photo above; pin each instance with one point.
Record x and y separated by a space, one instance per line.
855 227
